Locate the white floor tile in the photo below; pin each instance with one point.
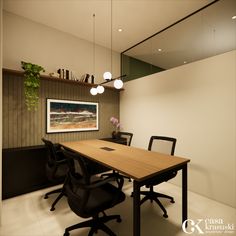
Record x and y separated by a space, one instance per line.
30 215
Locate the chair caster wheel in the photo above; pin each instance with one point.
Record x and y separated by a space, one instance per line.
52 209
119 220
66 234
165 215
172 201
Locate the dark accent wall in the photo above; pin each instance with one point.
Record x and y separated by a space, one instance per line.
23 128
24 156
134 68
23 170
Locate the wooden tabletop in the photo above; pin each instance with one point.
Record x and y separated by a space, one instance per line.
137 163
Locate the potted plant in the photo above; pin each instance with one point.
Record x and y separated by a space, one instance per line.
116 124
31 84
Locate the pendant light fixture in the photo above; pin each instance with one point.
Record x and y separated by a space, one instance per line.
118 83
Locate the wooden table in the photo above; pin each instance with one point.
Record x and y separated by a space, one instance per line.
139 164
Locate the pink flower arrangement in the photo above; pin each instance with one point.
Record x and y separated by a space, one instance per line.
115 123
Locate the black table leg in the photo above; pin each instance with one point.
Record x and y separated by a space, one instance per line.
136 208
184 193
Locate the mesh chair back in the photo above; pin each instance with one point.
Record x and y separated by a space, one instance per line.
127 136
78 176
86 195
56 166
162 144
52 156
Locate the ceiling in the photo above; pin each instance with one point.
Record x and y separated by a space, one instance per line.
139 19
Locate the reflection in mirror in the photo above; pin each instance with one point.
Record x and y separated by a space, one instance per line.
207 33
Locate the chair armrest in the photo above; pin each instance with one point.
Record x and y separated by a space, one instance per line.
57 146
62 161
60 156
163 178
99 183
96 184
119 180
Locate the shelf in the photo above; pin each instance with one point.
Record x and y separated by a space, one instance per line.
51 78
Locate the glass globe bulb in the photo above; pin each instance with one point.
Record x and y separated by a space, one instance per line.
118 83
107 75
100 89
93 91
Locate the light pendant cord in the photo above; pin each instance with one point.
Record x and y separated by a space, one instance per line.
111 36
94 45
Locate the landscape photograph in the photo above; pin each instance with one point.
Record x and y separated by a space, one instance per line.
68 116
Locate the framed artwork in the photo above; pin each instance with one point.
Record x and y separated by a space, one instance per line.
71 116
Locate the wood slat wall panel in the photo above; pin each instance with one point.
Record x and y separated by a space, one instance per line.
20 93
5 111
23 128
11 112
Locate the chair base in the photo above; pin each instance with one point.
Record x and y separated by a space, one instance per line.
153 196
61 191
96 223
52 192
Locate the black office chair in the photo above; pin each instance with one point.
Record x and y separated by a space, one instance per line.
56 169
164 145
128 137
88 197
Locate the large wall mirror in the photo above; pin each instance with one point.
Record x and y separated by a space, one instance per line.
208 32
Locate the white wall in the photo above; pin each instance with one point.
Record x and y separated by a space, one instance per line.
33 42
196 103
0 112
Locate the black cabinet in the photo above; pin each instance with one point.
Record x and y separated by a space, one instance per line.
23 170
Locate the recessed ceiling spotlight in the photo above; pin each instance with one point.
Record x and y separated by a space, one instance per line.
159 49
120 30
233 17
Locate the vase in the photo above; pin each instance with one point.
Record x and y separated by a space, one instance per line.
115 135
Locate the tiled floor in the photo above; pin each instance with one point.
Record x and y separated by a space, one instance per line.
29 215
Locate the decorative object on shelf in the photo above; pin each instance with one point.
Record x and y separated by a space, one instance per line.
64 74
54 74
92 79
73 76
70 116
86 78
118 83
116 124
31 84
